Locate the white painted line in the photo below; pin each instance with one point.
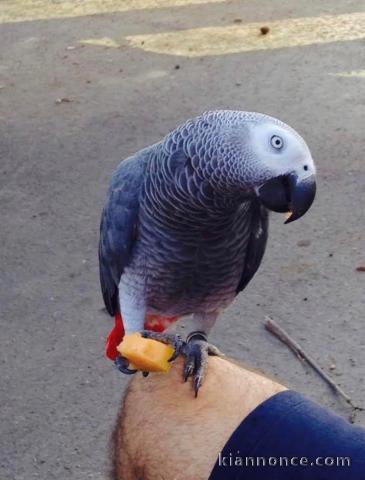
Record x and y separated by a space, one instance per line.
200 42
29 10
350 74
101 42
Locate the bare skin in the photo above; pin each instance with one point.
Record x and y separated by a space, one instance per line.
164 433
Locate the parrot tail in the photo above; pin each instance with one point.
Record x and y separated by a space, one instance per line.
156 323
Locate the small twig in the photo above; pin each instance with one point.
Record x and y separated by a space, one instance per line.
281 334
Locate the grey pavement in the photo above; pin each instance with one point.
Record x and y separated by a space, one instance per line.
59 395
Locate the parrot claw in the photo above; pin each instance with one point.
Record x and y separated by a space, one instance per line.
169 339
196 352
122 365
188 370
198 380
176 353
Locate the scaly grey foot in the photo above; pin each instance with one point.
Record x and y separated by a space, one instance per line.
196 352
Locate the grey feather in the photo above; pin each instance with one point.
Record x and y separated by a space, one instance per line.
256 245
118 224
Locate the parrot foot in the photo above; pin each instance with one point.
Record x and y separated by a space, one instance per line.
172 339
122 365
196 352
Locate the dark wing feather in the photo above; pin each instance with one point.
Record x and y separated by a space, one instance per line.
256 245
118 226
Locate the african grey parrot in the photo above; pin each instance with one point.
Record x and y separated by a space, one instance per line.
185 224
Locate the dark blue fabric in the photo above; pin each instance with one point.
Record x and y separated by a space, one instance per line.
292 427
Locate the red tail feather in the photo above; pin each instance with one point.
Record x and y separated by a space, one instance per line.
152 322
114 338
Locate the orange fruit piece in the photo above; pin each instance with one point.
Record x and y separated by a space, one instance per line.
145 354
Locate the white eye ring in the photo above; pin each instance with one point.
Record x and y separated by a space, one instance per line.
276 142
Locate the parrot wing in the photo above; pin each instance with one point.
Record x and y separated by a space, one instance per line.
256 244
118 226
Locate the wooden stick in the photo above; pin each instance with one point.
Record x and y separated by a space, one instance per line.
282 335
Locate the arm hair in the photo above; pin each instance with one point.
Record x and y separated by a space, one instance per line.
164 433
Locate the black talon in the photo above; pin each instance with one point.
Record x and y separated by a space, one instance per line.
122 365
145 374
198 380
188 371
178 349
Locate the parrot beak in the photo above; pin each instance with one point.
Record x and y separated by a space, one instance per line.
287 193
302 193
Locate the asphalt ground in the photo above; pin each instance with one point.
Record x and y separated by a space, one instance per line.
79 91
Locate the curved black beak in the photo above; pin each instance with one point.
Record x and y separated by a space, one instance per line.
288 194
302 193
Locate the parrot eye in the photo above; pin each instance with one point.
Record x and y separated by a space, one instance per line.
277 142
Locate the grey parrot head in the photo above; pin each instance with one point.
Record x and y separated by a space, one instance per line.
263 157
284 153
